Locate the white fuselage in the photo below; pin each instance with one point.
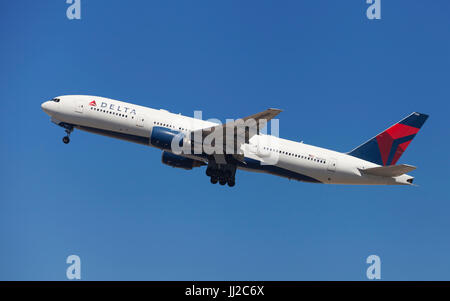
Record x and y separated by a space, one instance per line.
283 157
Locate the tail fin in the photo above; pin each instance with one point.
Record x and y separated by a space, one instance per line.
387 147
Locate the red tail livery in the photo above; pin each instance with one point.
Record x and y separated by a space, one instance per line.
386 148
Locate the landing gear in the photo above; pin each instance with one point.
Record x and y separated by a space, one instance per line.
221 173
68 130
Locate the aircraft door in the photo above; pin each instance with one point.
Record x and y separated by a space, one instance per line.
140 120
79 107
252 148
332 164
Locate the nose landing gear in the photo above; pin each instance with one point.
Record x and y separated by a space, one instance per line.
68 130
66 139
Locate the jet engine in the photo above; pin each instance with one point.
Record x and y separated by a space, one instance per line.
163 137
179 161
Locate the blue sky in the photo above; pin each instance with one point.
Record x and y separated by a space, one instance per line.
339 78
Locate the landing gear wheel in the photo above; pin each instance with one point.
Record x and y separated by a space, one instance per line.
68 129
66 139
222 181
231 183
214 180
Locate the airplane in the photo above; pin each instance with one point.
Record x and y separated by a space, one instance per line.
371 163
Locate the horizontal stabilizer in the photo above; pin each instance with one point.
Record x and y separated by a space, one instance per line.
389 171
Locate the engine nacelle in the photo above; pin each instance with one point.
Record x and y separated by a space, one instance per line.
162 137
179 161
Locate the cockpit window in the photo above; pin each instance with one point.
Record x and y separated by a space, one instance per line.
55 99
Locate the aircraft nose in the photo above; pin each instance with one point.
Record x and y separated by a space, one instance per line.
46 107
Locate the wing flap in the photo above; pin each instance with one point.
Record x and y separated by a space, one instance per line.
389 171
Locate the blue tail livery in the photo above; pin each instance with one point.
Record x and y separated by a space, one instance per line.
386 148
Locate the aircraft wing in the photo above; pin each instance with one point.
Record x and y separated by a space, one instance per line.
244 128
389 171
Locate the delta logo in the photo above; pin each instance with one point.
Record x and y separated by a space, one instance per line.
114 107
